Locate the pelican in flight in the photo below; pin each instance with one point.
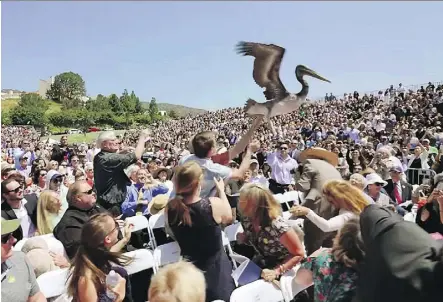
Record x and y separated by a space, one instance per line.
267 63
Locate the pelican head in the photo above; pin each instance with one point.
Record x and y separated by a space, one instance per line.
302 70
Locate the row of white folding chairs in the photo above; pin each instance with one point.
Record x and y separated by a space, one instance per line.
170 252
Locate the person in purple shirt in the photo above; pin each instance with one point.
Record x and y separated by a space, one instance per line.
145 185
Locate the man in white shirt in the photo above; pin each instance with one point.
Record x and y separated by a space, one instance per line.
16 206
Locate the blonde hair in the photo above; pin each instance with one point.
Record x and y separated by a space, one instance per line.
45 207
346 195
180 281
186 180
266 207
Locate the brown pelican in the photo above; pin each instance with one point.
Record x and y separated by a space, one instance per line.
267 62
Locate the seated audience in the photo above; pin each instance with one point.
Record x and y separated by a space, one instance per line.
177 282
16 205
18 279
95 258
49 212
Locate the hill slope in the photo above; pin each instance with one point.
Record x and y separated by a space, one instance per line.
8 104
179 109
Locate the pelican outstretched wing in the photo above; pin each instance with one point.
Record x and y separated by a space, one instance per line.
267 62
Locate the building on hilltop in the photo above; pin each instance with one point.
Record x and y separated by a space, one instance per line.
44 86
11 94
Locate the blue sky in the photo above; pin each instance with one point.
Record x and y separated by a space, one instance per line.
183 52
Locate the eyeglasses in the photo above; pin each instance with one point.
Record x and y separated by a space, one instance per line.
16 190
6 238
43 174
117 226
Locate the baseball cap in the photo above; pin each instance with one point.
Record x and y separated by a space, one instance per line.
9 226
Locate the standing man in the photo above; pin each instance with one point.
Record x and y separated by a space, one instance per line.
318 168
283 167
110 178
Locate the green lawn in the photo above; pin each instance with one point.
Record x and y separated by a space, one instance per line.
8 104
81 138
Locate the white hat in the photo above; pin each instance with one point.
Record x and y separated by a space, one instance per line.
374 178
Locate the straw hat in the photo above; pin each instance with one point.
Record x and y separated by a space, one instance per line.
319 153
158 204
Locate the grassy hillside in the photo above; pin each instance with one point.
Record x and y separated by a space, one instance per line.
8 104
179 109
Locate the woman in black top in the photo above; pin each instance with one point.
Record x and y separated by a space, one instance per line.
195 223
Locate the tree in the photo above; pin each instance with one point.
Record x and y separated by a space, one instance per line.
172 114
6 118
99 104
138 104
114 102
30 110
67 86
153 109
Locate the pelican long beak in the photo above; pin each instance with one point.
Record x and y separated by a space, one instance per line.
314 74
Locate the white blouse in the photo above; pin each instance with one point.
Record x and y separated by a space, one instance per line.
333 224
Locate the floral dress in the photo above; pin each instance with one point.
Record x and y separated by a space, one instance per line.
333 281
266 241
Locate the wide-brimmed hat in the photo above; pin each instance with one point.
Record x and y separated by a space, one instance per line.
9 226
374 178
319 153
158 204
162 169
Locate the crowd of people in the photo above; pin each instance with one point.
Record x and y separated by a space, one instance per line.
368 171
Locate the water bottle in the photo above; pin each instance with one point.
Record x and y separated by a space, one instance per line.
111 281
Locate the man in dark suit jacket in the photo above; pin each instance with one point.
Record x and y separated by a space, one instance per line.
399 190
13 199
402 261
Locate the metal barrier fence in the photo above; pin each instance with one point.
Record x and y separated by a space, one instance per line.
420 176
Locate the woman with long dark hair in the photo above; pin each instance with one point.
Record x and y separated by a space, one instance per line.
94 260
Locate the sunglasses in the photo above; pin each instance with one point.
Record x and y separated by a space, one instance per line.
43 174
378 184
89 192
16 190
6 238
283 148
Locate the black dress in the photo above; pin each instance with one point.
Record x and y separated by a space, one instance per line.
202 245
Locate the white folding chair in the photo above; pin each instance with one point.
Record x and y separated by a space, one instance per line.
257 291
155 222
142 260
139 222
227 245
53 283
167 253
291 196
232 230
54 245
